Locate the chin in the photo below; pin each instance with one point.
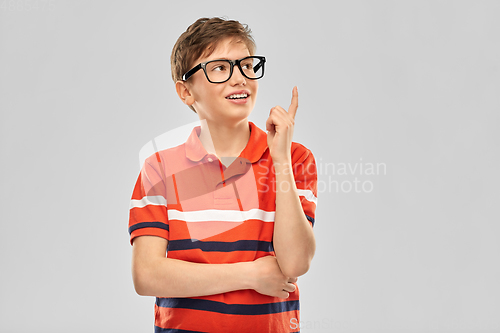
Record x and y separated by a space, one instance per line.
239 115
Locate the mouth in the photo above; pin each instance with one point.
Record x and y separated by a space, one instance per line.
238 95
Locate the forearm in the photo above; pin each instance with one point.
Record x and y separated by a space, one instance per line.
166 277
294 241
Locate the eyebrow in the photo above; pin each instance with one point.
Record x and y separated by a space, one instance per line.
225 58
219 59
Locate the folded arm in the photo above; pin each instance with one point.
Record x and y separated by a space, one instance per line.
155 275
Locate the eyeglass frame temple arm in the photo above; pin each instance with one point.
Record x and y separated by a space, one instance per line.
190 72
259 65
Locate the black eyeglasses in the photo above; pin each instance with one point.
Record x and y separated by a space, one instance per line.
219 71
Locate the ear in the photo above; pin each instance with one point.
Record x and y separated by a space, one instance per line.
184 93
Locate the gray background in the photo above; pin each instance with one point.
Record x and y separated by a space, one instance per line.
413 85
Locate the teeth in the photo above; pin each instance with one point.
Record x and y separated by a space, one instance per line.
233 96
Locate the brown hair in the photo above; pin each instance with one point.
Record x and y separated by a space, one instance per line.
201 39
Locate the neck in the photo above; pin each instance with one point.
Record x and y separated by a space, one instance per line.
224 140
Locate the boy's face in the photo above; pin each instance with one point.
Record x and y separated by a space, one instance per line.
211 99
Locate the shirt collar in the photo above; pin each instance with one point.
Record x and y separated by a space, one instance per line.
255 148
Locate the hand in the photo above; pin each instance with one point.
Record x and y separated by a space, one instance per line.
269 280
279 128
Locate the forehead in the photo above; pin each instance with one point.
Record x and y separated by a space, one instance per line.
229 48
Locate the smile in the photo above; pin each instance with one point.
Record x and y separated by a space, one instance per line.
237 96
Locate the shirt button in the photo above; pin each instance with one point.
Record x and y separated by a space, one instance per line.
210 159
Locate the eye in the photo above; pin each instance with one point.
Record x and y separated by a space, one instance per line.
247 65
219 66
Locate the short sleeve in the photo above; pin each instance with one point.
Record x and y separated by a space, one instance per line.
148 206
306 180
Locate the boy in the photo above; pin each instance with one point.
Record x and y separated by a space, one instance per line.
221 226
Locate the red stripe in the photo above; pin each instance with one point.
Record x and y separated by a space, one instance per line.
205 321
176 190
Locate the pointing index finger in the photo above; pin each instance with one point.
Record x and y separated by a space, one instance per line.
292 110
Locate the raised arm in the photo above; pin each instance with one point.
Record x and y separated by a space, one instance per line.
293 239
155 275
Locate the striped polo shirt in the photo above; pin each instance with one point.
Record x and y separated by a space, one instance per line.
214 214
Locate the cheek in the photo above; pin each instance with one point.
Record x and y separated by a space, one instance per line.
255 87
202 92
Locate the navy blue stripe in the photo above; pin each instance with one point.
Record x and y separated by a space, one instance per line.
233 309
241 245
173 330
310 219
141 225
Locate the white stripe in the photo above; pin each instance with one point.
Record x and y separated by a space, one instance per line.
210 215
309 195
148 200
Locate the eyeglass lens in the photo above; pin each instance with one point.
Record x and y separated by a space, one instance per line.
220 70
